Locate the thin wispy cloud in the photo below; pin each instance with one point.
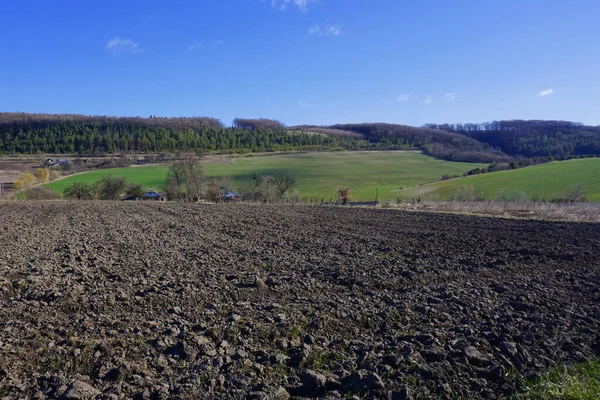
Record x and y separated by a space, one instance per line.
546 92
301 5
327 30
118 45
428 100
194 46
304 104
404 97
219 42
450 96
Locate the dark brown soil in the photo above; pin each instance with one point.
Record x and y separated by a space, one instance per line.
155 301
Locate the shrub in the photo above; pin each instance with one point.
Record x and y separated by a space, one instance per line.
25 181
134 189
112 187
343 195
40 193
573 195
42 175
77 190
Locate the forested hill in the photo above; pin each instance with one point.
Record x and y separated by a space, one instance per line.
562 139
437 143
493 142
77 134
440 144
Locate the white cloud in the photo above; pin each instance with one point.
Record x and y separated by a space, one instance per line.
327 30
546 92
450 96
404 97
121 46
302 5
194 46
219 42
428 100
304 104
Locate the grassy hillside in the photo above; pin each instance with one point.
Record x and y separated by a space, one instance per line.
544 180
317 174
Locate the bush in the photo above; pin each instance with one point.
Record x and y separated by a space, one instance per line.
573 195
40 193
134 189
77 190
42 175
112 187
25 181
343 195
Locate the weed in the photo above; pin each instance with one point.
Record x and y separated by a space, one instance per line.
295 331
567 382
324 361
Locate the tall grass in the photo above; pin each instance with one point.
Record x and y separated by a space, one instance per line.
576 212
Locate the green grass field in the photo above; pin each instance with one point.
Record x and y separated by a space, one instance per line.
545 181
317 174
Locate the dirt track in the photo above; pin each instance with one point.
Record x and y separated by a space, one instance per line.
113 300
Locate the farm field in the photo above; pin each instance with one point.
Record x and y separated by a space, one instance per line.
171 300
544 180
317 174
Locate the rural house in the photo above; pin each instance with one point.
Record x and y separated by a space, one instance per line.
231 197
152 194
149 194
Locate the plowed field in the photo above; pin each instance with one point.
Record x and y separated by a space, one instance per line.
151 301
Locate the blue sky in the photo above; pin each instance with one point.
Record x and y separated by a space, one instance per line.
304 61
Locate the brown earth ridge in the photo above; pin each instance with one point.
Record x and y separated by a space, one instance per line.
155 301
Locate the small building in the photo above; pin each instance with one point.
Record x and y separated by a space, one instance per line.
232 197
152 194
51 162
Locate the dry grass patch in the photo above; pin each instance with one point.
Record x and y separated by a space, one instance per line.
573 212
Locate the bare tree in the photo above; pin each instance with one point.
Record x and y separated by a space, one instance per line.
172 189
263 189
186 173
195 179
282 184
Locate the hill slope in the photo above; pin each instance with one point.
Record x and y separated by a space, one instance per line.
437 143
532 138
78 134
544 181
317 174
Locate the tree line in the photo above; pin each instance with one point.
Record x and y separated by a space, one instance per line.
519 138
186 181
490 142
108 188
436 143
66 134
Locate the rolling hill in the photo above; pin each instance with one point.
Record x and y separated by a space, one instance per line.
317 174
542 181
